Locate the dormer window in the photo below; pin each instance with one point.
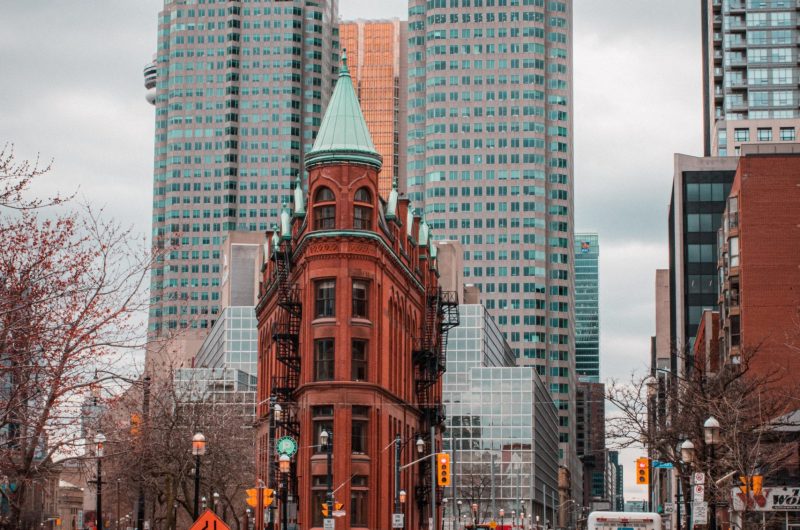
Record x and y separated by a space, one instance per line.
324 209
362 210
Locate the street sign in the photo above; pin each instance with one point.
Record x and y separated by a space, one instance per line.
669 508
339 513
208 520
698 493
700 513
662 465
286 445
699 478
329 524
398 520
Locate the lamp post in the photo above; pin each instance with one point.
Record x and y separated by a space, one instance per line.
711 432
326 441
513 518
474 515
687 457
398 446
502 517
284 465
198 450
458 507
99 441
215 496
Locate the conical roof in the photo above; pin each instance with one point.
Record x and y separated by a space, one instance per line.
343 135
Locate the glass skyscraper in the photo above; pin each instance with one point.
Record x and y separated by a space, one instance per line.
750 73
587 308
239 93
490 163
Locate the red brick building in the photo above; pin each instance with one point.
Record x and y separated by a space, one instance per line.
760 262
351 328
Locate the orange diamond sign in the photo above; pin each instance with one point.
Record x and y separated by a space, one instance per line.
208 520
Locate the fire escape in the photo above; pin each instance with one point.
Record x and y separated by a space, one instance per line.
429 358
286 336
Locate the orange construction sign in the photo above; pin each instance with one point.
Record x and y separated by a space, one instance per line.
208 520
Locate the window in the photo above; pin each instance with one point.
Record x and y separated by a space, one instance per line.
323 359
325 298
359 495
360 426
322 417
734 251
741 135
362 211
764 134
787 134
359 356
360 299
319 490
324 209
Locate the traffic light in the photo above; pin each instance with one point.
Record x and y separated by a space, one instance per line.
443 469
752 483
252 496
643 470
325 511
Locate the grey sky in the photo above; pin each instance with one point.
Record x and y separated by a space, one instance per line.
72 89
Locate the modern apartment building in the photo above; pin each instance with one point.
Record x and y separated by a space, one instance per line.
239 93
376 51
750 73
587 307
490 164
699 193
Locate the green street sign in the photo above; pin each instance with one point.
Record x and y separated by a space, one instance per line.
286 446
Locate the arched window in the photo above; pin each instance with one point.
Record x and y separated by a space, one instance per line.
362 210
324 209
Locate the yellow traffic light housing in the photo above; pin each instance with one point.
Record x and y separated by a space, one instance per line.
443 469
266 497
643 470
325 511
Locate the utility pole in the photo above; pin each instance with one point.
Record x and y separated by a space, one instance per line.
491 476
145 425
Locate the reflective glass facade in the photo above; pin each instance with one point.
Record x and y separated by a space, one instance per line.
490 163
232 342
587 308
497 414
217 386
239 94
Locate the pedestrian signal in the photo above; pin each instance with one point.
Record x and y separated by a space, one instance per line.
443 469
643 470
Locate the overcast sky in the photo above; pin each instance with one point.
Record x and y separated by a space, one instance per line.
71 88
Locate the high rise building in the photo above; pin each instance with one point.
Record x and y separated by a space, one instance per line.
587 308
490 163
750 73
239 95
376 51
700 189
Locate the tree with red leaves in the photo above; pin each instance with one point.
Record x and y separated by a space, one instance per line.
73 298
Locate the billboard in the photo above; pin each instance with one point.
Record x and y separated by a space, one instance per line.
775 499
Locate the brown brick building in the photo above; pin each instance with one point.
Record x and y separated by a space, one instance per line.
759 262
351 325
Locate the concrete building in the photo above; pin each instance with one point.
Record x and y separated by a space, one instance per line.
591 429
351 327
699 192
587 307
502 428
377 57
750 73
490 163
618 503
238 92
758 264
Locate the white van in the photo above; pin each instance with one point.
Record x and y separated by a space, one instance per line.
624 521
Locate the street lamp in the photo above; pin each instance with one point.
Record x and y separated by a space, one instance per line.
687 452
402 496
216 500
284 465
204 501
198 450
326 441
687 457
474 514
458 506
398 446
502 517
99 441
711 431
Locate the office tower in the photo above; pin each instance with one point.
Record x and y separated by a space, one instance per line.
700 189
357 278
759 265
750 73
501 422
490 164
376 51
239 95
587 308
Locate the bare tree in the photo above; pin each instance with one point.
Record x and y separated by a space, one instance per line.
16 178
